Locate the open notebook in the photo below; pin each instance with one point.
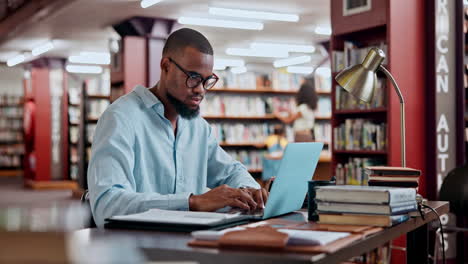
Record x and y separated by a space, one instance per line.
286 195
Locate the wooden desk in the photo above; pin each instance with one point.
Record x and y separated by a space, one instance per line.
164 246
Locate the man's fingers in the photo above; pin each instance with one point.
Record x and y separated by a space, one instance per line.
265 195
238 204
246 197
259 198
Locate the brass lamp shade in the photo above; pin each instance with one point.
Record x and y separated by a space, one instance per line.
360 80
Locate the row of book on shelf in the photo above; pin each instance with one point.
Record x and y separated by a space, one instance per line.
353 53
235 105
11 111
346 101
252 160
74 133
7 136
279 80
12 124
10 161
11 99
12 149
360 134
233 133
353 172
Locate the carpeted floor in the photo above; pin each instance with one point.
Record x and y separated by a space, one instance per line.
12 192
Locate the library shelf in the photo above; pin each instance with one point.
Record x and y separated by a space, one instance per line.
74 124
11 172
360 152
361 111
323 117
14 117
91 120
242 144
98 97
265 117
13 142
51 185
264 90
74 105
12 105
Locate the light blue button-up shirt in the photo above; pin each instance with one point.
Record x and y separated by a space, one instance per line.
137 163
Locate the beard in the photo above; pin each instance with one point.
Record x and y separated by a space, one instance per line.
182 109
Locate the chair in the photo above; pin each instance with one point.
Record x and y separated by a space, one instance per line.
455 190
85 201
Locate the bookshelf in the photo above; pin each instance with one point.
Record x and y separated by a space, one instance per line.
11 135
242 118
401 26
75 84
88 99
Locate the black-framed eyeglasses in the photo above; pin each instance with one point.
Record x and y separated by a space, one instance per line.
194 79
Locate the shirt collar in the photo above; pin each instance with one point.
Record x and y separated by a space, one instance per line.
148 98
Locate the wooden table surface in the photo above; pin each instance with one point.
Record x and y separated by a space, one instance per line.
166 246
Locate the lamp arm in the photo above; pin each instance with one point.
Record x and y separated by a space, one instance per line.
402 114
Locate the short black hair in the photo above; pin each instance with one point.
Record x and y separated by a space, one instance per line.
186 37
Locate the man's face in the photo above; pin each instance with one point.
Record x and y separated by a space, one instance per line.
187 100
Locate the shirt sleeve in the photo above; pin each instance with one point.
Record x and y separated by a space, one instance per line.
111 181
223 169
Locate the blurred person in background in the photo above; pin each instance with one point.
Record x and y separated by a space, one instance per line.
304 117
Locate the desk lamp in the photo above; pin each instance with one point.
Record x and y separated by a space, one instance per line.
360 80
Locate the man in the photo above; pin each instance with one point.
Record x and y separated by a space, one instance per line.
152 150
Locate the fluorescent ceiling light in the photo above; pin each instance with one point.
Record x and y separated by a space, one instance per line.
238 70
16 60
256 53
220 23
324 71
287 47
300 69
43 48
323 31
84 69
253 14
148 3
291 61
91 58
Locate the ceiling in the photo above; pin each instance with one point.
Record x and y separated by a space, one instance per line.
85 25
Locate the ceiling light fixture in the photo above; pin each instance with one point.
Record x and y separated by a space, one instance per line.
43 48
256 53
220 23
253 14
280 46
291 61
300 69
16 60
91 58
84 69
148 3
323 30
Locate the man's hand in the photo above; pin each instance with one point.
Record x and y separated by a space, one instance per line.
222 196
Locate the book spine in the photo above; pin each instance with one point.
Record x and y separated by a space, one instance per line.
396 219
394 210
401 195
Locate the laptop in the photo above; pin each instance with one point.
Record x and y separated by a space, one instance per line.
290 186
287 194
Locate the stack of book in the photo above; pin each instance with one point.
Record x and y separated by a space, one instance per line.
364 205
393 176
